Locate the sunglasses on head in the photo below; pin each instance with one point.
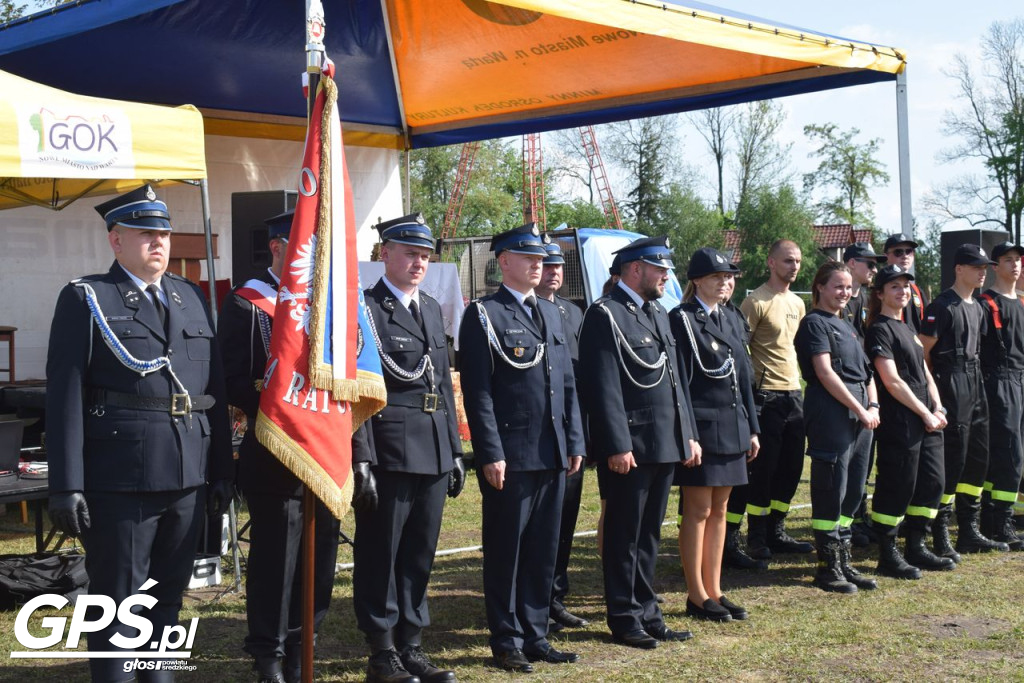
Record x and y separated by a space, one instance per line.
899 252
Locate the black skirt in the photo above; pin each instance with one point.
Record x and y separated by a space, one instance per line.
715 469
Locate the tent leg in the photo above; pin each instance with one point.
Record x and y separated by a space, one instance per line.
903 136
211 271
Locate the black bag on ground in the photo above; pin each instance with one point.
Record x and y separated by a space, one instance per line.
23 577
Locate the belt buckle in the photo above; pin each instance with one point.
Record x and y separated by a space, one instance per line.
429 403
181 404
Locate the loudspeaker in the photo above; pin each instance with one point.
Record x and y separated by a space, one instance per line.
250 255
952 239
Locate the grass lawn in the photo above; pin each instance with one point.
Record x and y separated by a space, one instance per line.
961 625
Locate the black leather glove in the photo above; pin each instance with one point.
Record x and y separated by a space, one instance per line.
69 513
218 496
457 477
364 498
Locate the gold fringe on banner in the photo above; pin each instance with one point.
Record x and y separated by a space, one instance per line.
303 466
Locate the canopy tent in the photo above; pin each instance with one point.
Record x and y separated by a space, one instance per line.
417 74
56 146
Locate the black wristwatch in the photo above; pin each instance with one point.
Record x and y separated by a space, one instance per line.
872 404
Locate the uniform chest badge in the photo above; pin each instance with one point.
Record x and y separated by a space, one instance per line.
177 299
917 301
518 351
714 346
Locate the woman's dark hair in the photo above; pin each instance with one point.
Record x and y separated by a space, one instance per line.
874 306
823 275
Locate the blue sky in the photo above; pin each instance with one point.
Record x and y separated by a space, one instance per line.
930 34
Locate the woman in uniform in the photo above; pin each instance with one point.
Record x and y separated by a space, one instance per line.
711 349
839 402
909 458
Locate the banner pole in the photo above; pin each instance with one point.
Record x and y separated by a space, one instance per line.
314 59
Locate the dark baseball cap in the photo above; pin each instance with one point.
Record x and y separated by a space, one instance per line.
888 274
1001 249
862 251
971 255
898 239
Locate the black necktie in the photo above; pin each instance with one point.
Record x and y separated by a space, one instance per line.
538 320
161 310
415 310
716 318
648 308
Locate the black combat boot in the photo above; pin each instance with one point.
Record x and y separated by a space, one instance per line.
829 575
891 563
757 537
386 666
921 557
1004 530
268 670
781 542
969 538
733 556
850 572
941 542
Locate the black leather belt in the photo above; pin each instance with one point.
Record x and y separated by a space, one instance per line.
175 404
428 403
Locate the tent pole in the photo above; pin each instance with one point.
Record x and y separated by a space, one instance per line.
903 136
211 271
408 187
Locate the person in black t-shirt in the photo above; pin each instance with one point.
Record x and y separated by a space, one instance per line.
1002 366
862 262
951 336
839 405
908 484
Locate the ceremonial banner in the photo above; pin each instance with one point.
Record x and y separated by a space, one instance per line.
321 381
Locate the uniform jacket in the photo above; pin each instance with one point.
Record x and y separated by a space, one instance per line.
528 418
245 360
656 424
405 438
572 321
104 448
723 408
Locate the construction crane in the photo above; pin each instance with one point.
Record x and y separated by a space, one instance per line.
612 219
534 200
458 196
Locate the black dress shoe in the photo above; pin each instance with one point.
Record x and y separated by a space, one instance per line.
710 611
513 660
638 639
268 670
386 667
416 662
551 655
735 611
664 633
565 618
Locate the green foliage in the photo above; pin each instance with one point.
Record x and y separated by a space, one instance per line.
576 213
846 173
689 223
9 11
770 214
491 203
647 150
928 259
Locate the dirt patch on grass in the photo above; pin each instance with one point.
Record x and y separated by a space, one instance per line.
944 627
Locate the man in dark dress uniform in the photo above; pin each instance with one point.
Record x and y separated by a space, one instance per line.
951 335
416 460
273 494
520 399
899 251
1002 367
572 320
641 425
135 389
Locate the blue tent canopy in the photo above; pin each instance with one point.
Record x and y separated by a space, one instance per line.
239 60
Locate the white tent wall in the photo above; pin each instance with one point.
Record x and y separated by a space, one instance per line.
43 249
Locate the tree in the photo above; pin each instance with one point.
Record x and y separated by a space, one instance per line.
770 214
716 127
492 200
10 11
846 172
990 126
576 213
570 162
689 223
928 259
646 150
760 159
